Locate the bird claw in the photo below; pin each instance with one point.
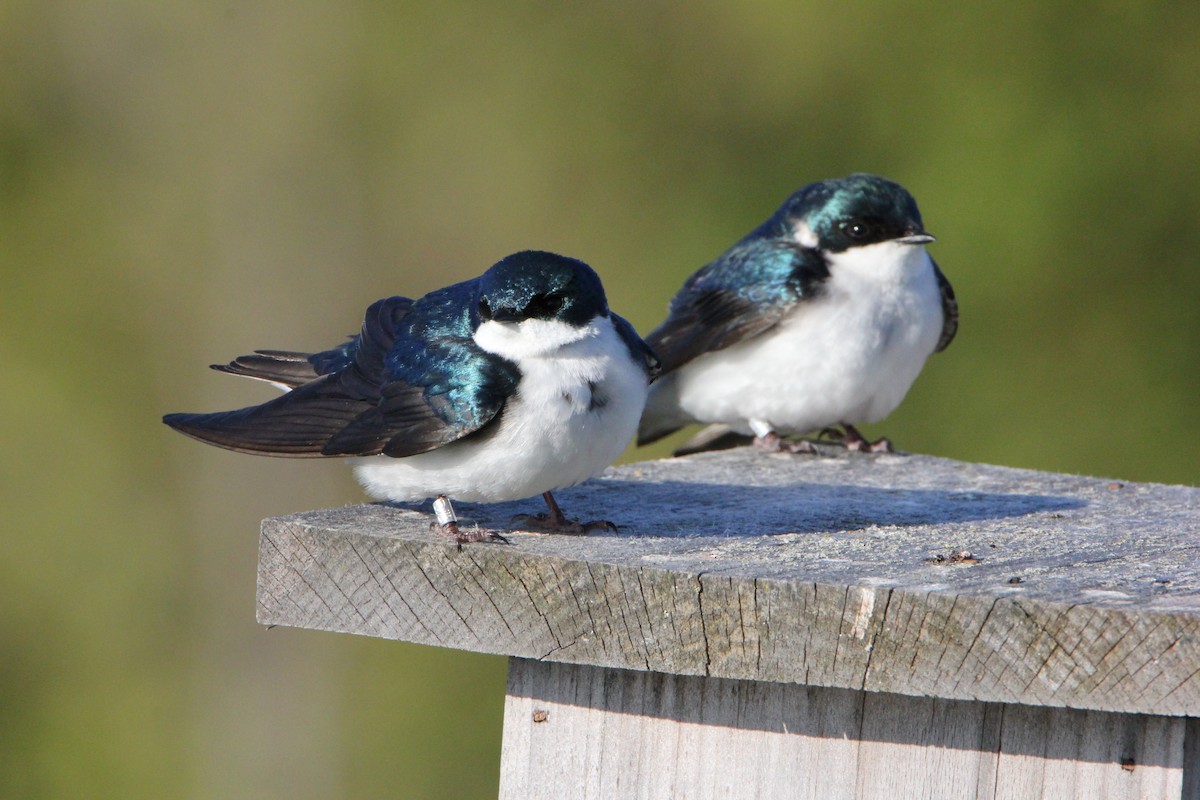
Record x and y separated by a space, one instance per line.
851 439
883 445
462 537
855 442
546 523
774 443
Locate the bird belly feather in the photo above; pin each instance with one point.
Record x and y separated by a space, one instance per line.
574 411
848 355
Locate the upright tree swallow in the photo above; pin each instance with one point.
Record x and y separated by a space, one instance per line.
821 316
515 383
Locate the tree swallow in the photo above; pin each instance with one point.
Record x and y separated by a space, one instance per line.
515 383
821 316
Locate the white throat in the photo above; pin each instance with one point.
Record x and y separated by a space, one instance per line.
531 338
882 264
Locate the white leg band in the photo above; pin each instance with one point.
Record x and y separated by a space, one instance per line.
443 510
760 428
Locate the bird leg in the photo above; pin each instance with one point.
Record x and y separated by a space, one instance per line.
555 521
765 438
447 523
857 443
774 443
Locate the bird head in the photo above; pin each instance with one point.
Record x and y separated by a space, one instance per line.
535 285
855 211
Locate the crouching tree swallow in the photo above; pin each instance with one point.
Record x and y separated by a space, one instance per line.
821 316
515 383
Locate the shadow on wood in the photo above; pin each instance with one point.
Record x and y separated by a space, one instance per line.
691 509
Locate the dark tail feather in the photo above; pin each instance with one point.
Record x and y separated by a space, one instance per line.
333 408
277 366
300 424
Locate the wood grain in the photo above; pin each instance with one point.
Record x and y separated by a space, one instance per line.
791 569
585 732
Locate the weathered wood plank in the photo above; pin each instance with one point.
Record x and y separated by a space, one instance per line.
584 732
796 570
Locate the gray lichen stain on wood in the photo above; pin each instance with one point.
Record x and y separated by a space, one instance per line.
793 569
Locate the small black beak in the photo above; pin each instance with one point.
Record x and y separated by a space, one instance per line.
920 237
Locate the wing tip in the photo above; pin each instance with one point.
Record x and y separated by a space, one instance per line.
216 429
197 426
179 422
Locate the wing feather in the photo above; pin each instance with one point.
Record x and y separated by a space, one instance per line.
411 381
282 367
949 310
743 294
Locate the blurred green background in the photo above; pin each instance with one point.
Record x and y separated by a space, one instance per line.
180 183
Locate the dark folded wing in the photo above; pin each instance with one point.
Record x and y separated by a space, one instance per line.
407 387
743 294
638 349
949 310
300 423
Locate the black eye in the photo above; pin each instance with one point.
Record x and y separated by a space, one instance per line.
485 309
546 305
857 229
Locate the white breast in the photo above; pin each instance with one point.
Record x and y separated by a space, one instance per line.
573 413
848 355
